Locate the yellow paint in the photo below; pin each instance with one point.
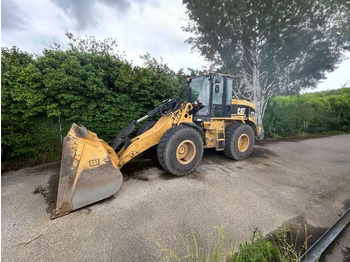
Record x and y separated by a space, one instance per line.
91 152
152 136
186 151
243 102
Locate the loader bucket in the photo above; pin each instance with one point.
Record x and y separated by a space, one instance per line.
88 173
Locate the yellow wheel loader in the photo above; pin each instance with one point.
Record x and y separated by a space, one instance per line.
210 117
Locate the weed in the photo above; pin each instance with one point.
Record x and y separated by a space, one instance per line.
288 243
40 190
258 249
283 245
193 251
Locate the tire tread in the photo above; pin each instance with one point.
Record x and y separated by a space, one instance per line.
161 148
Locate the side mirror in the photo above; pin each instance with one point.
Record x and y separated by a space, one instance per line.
217 89
218 79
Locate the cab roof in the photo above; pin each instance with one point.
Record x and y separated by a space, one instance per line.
207 73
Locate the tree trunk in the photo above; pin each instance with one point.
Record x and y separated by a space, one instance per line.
256 88
258 100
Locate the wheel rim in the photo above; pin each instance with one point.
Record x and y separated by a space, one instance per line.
243 143
185 152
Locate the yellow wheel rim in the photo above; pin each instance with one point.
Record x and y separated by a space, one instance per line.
185 152
243 143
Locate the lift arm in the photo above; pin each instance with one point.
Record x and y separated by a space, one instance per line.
168 105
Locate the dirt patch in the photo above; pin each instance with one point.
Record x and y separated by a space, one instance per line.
138 167
303 235
39 190
288 139
196 175
51 191
7 168
299 233
346 204
346 254
134 169
262 152
46 167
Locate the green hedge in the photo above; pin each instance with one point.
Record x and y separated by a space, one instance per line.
313 113
45 94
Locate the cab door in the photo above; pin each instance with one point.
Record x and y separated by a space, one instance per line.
217 109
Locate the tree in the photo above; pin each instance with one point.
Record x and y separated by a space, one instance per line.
89 44
275 47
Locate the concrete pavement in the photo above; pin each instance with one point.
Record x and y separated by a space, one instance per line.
282 183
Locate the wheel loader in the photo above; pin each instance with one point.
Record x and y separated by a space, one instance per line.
210 117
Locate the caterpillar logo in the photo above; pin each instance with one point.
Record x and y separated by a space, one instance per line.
94 162
241 111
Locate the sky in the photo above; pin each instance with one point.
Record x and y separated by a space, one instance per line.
140 26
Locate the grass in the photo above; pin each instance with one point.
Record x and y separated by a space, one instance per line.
192 251
282 245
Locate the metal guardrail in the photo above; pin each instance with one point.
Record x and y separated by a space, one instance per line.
315 251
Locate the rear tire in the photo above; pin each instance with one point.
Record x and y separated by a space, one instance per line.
180 150
151 152
239 141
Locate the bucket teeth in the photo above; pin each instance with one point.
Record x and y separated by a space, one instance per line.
62 210
87 174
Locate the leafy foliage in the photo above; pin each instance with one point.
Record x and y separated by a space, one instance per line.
275 47
42 96
312 113
258 249
292 42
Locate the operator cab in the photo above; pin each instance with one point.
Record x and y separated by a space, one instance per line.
211 96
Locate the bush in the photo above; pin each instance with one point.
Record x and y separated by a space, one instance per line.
42 96
313 113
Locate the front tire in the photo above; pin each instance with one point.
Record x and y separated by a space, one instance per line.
239 141
180 150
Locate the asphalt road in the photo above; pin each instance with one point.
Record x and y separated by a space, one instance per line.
283 183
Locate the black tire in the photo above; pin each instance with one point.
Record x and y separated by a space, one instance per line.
169 144
232 134
151 152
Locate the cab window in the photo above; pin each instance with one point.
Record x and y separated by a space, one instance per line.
200 90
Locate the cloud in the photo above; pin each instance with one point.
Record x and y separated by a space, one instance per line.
85 12
11 16
139 26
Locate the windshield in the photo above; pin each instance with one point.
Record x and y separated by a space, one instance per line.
200 90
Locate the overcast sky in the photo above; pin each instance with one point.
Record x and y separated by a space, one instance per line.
139 26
